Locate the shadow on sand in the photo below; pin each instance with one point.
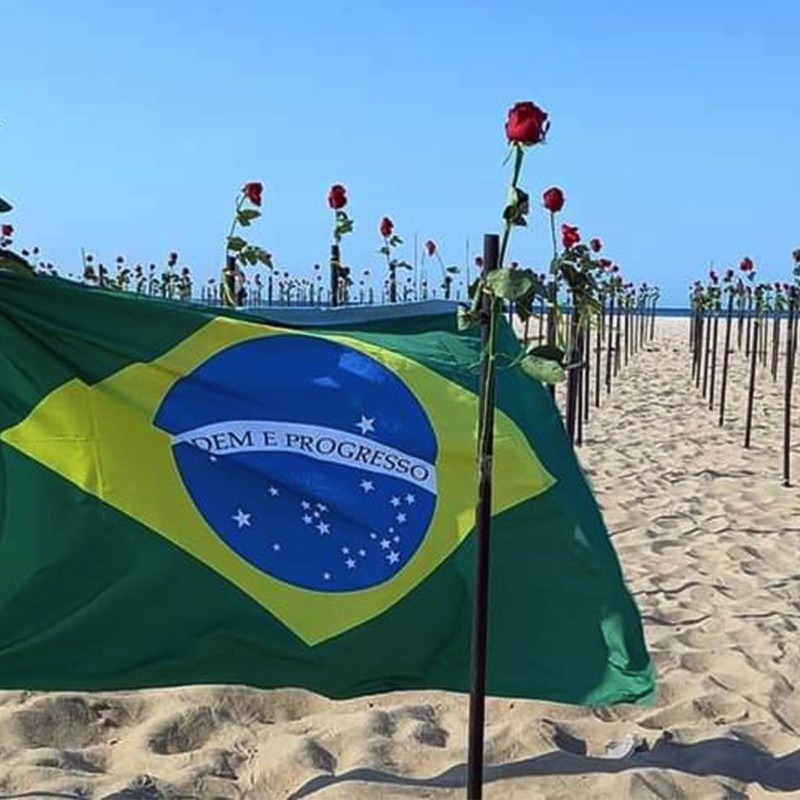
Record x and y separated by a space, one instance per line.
728 758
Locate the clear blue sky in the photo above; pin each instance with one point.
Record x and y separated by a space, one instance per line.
128 127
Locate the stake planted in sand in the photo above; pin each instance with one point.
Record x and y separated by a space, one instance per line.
791 350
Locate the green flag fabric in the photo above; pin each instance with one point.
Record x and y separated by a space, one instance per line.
194 496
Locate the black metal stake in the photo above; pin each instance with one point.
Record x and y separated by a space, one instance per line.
748 423
714 328
483 521
598 355
706 357
587 371
725 356
776 338
609 340
791 348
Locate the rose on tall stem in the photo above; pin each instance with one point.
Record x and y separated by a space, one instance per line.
238 251
342 224
390 241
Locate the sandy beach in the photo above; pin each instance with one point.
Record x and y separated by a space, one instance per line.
708 539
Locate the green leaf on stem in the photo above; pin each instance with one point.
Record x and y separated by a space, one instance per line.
244 216
517 206
265 258
466 318
384 251
543 369
236 243
343 224
4 206
453 270
402 265
548 351
395 240
510 284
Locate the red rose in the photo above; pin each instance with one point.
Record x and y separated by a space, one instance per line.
7 230
252 191
569 236
596 245
337 197
605 263
526 123
430 247
479 262
746 264
387 226
553 199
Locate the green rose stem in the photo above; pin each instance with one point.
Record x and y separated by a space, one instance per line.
552 320
229 272
726 353
519 155
791 350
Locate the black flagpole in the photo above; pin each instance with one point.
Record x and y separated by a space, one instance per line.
483 522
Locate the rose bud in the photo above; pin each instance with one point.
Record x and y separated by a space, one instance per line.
252 191
337 197
553 199
569 236
430 247
386 227
746 264
7 230
526 123
596 245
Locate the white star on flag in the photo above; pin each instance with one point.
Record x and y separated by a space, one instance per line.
367 425
367 486
323 528
385 544
411 499
393 557
273 492
395 501
308 519
351 564
401 517
241 519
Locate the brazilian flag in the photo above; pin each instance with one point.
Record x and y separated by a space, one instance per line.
192 496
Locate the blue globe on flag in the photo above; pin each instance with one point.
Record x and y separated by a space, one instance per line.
310 459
